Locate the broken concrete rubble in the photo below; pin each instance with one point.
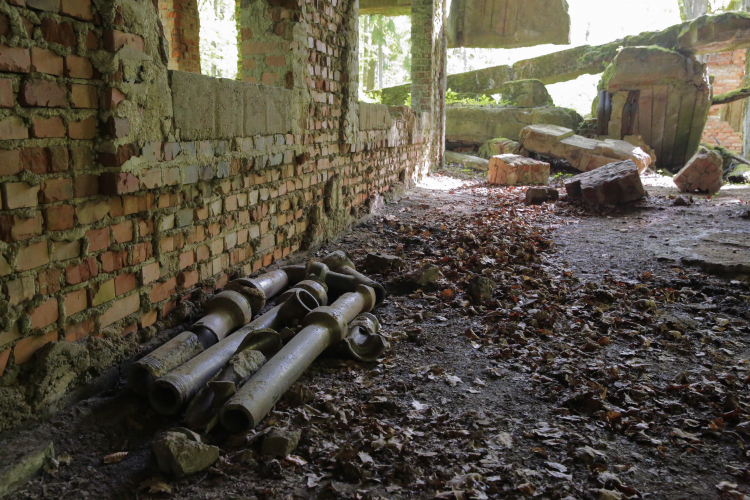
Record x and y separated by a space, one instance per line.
467 161
612 184
702 173
281 442
501 146
180 455
382 263
512 170
539 195
526 94
582 153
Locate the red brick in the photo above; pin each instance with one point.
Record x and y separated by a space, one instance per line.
48 5
84 129
77 331
25 348
276 60
78 67
75 274
186 259
6 93
117 127
45 314
98 239
112 97
148 319
141 253
20 290
61 33
79 9
57 158
34 160
86 185
92 41
150 272
19 195
10 161
114 40
15 228
123 154
84 96
113 261
13 127
118 183
75 302
120 309
49 281
161 291
124 283
59 189
42 93
46 61
188 279
15 59
47 127
123 232
4 355
59 218
4 25
82 157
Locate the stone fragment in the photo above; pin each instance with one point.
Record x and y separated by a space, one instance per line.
501 146
511 170
480 289
612 184
701 173
298 395
381 263
22 459
281 442
467 161
429 273
526 94
582 153
181 456
538 195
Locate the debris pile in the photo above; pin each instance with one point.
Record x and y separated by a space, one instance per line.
510 170
703 173
230 369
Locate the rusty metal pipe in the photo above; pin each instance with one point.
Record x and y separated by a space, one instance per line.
324 326
338 262
362 341
172 391
158 362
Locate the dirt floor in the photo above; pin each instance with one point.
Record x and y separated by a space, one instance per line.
605 362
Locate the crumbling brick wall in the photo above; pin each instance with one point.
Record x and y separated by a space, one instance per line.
128 188
182 29
723 126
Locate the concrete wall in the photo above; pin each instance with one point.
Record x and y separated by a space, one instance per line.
128 189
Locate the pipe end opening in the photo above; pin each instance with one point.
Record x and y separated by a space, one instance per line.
165 398
236 420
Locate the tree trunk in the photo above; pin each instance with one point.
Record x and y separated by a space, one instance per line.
380 66
690 9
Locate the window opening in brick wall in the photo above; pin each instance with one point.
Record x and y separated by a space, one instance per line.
218 38
384 53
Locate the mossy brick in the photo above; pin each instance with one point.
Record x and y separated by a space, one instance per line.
120 309
75 302
15 59
45 314
79 273
103 292
13 127
184 217
26 347
46 5
19 290
64 250
10 162
19 195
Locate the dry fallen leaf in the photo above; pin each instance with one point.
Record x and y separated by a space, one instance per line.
113 458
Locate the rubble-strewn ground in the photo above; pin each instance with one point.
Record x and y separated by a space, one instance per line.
600 367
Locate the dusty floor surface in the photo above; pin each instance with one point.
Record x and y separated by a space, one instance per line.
606 364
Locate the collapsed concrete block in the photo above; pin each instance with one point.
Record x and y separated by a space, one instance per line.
701 173
538 195
467 161
526 94
611 184
501 146
582 153
511 170
180 455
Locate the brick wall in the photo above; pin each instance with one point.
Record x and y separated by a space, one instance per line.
728 70
127 188
182 29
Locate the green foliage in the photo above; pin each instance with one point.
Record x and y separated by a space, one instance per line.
452 97
384 51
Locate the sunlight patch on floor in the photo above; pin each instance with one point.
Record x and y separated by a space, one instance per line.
439 182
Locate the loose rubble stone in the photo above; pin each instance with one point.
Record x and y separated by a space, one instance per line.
501 146
381 263
701 173
582 153
538 195
682 201
511 170
468 161
180 455
612 184
21 460
429 273
281 442
480 289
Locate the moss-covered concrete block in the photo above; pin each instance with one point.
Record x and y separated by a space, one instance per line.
526 94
